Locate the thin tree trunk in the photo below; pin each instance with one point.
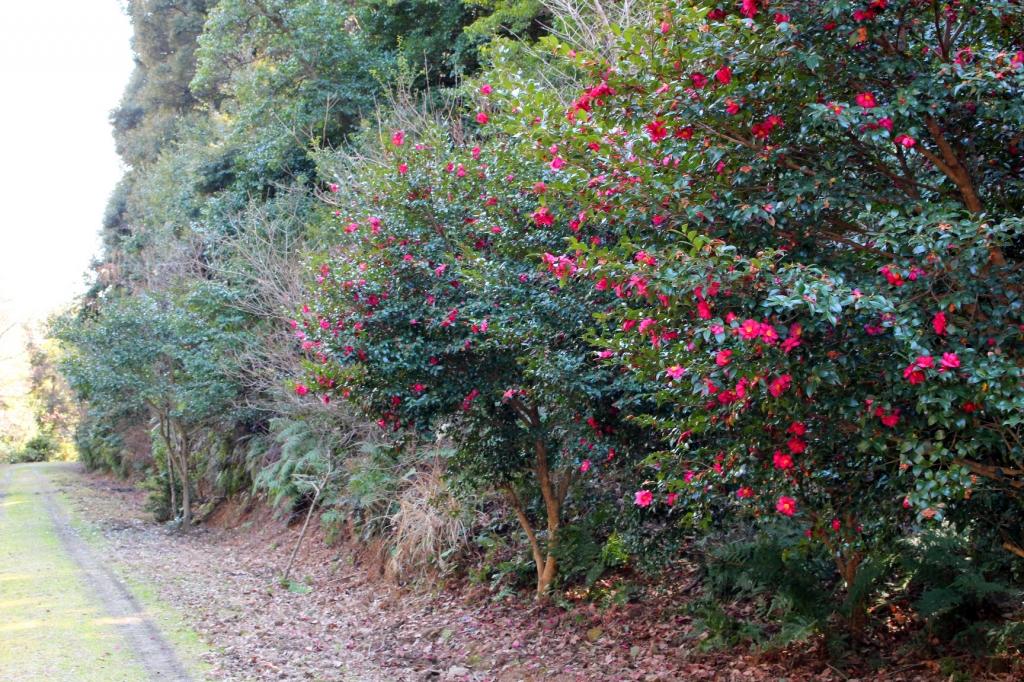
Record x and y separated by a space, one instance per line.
164 428
553 510
174 492
302 535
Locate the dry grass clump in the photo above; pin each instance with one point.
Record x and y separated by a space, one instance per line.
429 528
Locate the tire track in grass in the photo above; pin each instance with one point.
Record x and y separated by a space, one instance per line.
104 632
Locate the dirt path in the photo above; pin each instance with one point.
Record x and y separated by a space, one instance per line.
54 586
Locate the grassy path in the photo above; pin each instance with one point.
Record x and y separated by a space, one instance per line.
63 614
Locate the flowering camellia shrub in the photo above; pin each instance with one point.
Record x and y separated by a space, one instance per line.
431 314
810 217
790 231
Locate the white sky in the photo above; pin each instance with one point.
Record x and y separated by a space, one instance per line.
63 66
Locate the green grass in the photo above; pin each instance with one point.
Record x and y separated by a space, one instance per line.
186 641
51 626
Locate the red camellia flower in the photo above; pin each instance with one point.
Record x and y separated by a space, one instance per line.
699 80
939 323
779 385
750 329
657 131
585 466
398 138
889 419
724 75
796 446
723 358
643 498
542 217
782 460
745 492
482 118
786 506
301 389
866 100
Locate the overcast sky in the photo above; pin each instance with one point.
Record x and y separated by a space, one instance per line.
64 64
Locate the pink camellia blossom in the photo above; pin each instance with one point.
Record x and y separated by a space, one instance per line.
643 498
671 498
748 8
925 361
482 118
398 138
836 525
676 371
403 168
486 89
786 506
905 141
334 187
301 389
585 466
699 80
557 163
939 323
646 324
723 357
950 361
745 492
